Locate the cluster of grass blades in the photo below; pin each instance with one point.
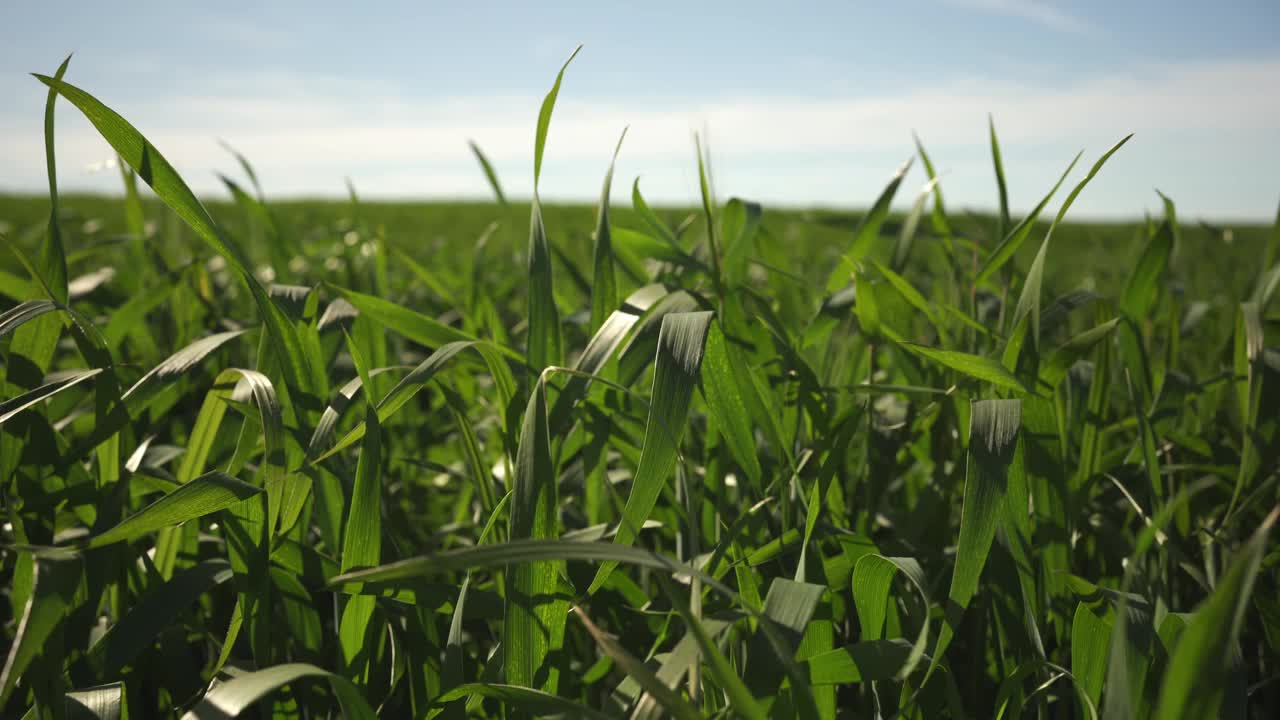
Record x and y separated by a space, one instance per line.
693 480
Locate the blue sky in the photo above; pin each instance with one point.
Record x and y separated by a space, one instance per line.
803 104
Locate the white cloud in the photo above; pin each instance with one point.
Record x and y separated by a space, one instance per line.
1034 11
777 149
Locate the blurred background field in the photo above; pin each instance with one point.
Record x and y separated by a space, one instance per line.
1210 260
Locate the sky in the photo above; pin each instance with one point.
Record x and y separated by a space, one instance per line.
802 104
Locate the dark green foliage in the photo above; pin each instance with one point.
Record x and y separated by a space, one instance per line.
293 460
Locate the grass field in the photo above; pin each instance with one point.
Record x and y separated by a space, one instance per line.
1094 254
303 459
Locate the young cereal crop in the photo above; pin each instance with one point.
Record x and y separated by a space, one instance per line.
259 463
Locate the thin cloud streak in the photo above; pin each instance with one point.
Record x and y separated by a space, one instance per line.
1035 11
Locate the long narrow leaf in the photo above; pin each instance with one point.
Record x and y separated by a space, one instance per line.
680 350
202 496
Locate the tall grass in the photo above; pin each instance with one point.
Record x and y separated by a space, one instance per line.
298 470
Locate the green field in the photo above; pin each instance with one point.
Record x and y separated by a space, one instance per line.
299 459
1090 254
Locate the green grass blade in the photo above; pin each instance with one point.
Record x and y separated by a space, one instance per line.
599 350
648 247
913 298
1249 368
56 577
524 699
1028 308
1267 283
1007 248
1001 188
544 120
1205 655
871 585
674 668
36 276
534 624
300 614
872 578
907 236
869 227
200 445
418 378
361 365
724 396
681 345
1090 647
671 701
994 433
1147 447
105 702
11 407
1075 348
640 349
650 218
362 547
452 673
1140 292
481 475
604 282
143 391
868 661
276 479
741 700
545 342
866 306
1010 243
245 166
499 555
153 613
206 494
938 218
247 537
1272 251
975 366
788 608
53 258
1093 171
426 331
1096 416
152 167
489 173
26 311
1268 271
232 697
1133 634
740 223
708 214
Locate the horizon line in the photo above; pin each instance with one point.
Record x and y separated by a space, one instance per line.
1085 217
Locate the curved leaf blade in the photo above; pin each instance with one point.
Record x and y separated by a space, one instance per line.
206 494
